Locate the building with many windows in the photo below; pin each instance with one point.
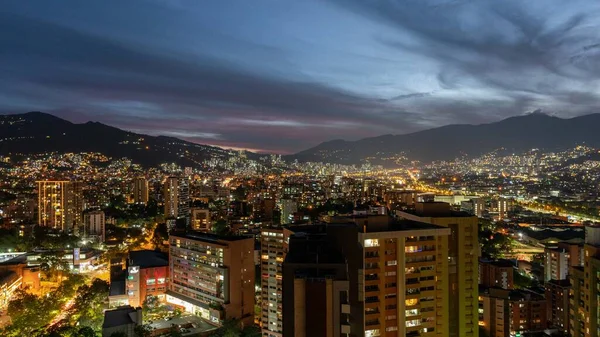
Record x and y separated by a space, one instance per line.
212 276
585 291
557 298
398 275
94 225
273 248
507 313
273 251
463 269
60 204
140 190
496 273
316 288
176 198
200 219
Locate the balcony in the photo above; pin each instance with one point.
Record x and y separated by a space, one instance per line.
345 329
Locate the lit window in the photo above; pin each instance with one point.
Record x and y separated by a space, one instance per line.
371 243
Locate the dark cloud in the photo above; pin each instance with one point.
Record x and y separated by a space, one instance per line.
273 82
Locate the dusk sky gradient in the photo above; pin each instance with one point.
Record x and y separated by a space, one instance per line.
282 75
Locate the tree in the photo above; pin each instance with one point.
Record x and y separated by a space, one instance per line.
142 331
28 313
220 227
86 331
230 328
90 303
251 331
118 334
151 306
161 234
53 265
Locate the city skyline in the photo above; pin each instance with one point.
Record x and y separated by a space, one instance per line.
281 78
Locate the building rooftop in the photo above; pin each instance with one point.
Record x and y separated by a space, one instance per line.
118 317
499 263
8 276
208 237
436 209
312 249
148 258
117 284
392 226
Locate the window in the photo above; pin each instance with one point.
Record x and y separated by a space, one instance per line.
372 333
414 322
411 301
372 243
411 312
150 281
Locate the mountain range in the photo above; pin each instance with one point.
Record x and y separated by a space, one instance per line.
37 132
512 135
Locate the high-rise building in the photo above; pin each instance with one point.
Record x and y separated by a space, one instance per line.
585 289
504 206
474 206
496 273
60 204
140 190
212 276
288 208
558 260
316 289
463 251
556 264
176 198
273 248
398 276
557 297
507 313
94 225
200 219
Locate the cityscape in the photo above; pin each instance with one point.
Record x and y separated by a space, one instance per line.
279 169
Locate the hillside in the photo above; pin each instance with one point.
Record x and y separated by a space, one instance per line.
515 134
37 132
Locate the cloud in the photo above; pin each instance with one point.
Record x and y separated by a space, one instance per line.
281 80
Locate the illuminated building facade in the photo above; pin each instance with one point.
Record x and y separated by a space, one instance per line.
140 190
398 276
463 251
212 276
200 219
507 313
94 225
585 288
273 248
557 297
176 198
60 204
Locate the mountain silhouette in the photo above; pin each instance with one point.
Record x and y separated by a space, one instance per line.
515 134
38 132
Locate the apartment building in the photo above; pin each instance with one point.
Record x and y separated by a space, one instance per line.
212 276
463 269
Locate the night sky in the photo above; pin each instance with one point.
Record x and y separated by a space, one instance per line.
285 75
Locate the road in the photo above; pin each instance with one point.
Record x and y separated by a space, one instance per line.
560 213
